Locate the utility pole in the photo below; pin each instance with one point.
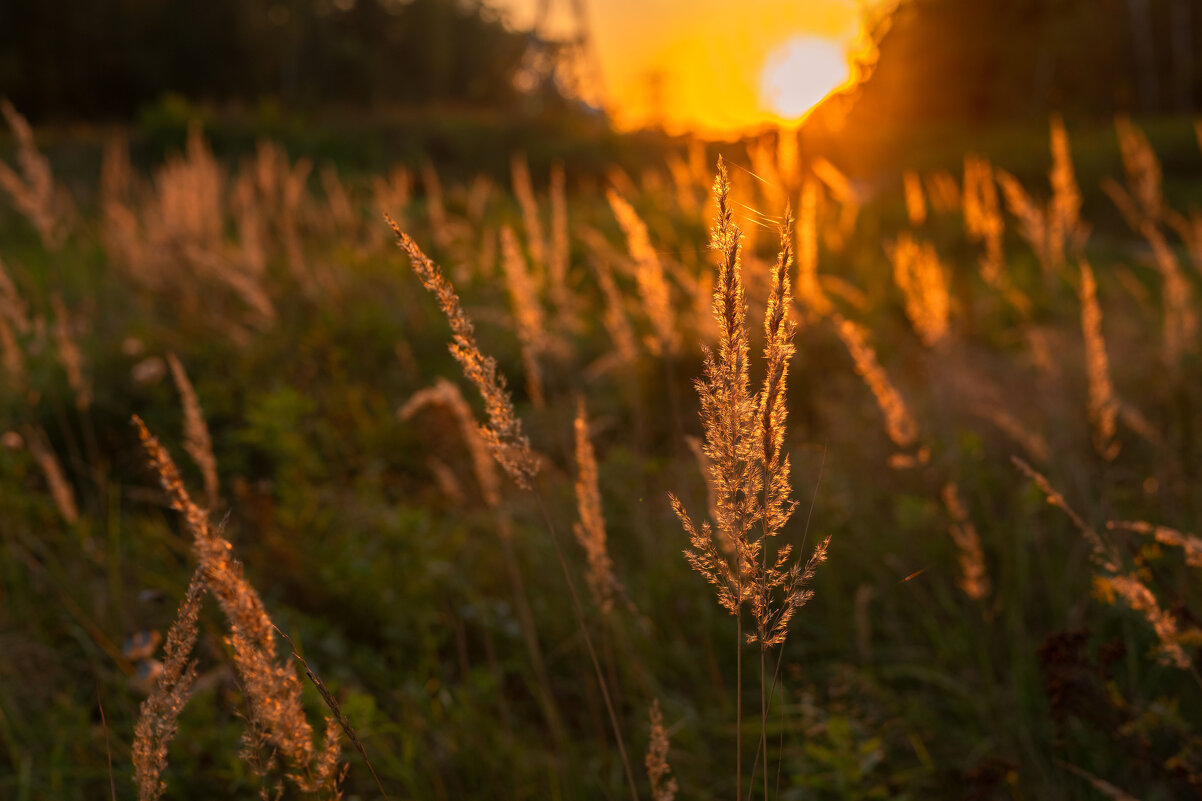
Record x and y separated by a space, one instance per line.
1181 22
1144 45
655 82
568 59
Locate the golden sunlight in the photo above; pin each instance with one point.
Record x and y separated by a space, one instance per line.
705 71
800 73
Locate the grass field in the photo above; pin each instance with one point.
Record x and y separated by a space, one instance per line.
992 412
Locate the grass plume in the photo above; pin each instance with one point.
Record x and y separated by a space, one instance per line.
1103 406
503 434
974 575
590 528
1190 545
158 719
197 442
527 312
524 190
744 437
808 289
1066 232
60 488
277 718
924 285
448 396
649 272
916 204
899 424
33 190
663 786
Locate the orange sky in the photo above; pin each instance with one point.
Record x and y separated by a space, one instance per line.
710 55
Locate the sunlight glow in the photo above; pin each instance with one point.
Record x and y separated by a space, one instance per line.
713 72
800 73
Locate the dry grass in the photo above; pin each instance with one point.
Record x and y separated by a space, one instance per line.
983 222
1103 406
944 192
250 241
974 574
511 448
10 354
1032 441
649 272
527 313
197 442
615 318
13 308
1113 581
916 203
744 436
178 224
1144 176
924 285
276 723
448 396
69 355
60 489
158 719
503 434
1180 315
590 529
436 209
33 191
1190 545
1032 219
899 423
663 786
808 289
560 254
1066 232
523 188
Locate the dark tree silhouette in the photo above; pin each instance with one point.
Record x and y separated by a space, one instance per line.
75 59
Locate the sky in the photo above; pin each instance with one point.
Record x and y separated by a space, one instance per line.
704 64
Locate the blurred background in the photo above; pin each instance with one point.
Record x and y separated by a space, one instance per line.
439 72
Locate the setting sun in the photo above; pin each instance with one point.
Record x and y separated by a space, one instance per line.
799 74
710 71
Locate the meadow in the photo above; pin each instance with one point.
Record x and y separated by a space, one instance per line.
264 535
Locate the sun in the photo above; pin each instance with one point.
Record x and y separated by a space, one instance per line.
800 73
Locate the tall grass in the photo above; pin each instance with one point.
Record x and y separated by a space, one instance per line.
750 475
277 724
401 561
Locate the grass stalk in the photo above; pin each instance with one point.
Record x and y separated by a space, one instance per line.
335 708
578 610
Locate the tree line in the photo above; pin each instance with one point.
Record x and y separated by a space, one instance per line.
81 59
987 61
